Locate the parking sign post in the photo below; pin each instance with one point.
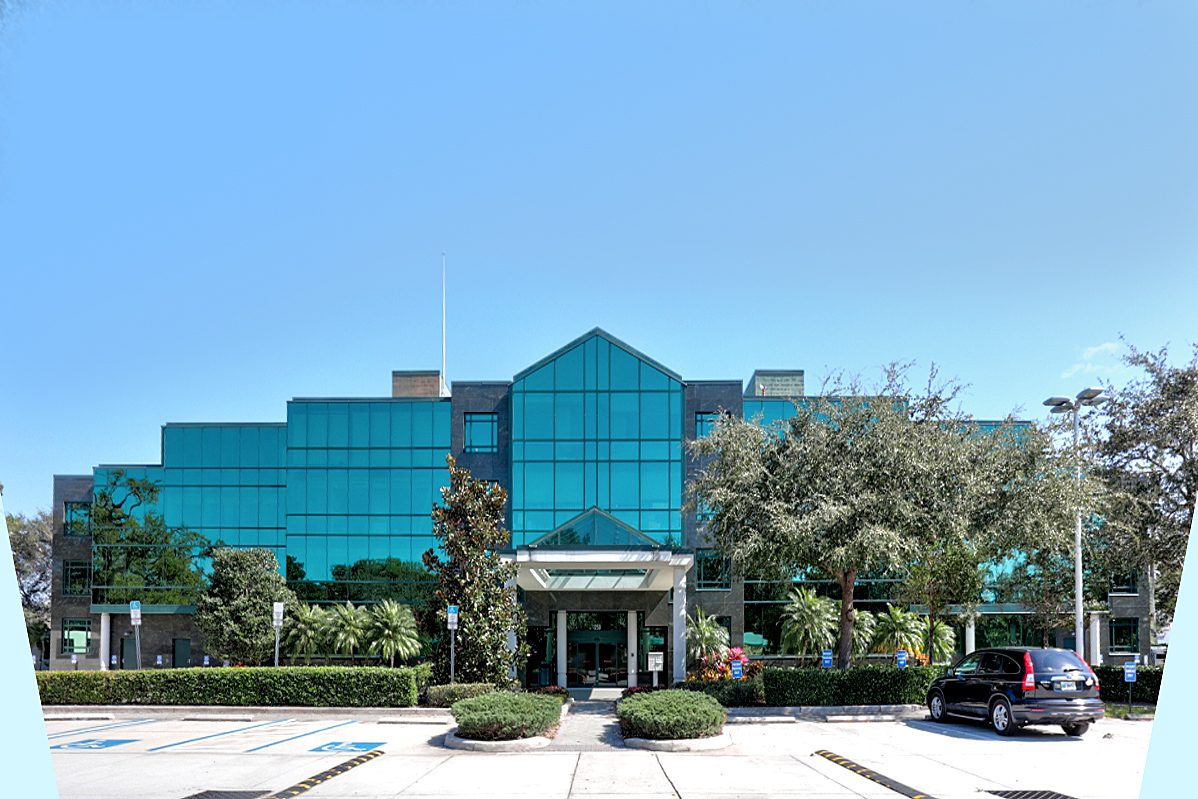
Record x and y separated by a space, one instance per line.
1129 677
277 622
451 621
900 658
825 659
135 620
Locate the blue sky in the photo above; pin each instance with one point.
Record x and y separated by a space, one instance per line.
209 208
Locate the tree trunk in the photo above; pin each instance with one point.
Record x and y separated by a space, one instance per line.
847 580
931 636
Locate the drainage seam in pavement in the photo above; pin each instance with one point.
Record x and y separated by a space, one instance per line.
666 774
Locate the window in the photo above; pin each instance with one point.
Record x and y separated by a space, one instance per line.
1125 635
713 572
704 423
77 518
482 432
76 578
1125 584
76 636
703 513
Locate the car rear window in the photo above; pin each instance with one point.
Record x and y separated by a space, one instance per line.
1047 661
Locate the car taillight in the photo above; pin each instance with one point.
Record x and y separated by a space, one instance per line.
1029 673
1095 676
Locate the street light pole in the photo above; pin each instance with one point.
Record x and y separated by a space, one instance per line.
1085 397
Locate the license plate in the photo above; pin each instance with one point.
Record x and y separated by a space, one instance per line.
1066 685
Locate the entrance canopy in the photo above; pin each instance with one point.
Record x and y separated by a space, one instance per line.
595 551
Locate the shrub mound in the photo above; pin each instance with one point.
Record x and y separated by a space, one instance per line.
504 716
860 685
554 690
729 693
302 686
670 715
449 695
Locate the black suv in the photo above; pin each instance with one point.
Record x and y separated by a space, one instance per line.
1011 687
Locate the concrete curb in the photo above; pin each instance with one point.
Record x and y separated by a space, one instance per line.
721 741
830 713
389 715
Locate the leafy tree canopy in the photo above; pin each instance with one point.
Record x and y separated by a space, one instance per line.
30 538
234 613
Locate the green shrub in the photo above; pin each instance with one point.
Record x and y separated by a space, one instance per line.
729 693
448 695
1146 688
424 676
670 715
562 694
504 716
301 686
861 685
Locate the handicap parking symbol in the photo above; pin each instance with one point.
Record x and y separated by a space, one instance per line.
348 746
95 743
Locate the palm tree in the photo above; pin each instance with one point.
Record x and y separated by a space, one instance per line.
705 636
393 631
809 622
864 626
944 640
348 627
898 629
306 631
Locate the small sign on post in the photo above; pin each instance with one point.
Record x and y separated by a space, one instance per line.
158 661
1129 676
135 620
657 662
206 660
451 621
276 621
900 658
738 669
75 661
825 660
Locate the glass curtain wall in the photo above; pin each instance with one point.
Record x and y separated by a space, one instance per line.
596 426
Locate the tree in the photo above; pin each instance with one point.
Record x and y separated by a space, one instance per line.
855 483
30 538
469 526
808 623
898 629
234 613
865 625
1146 447
348 629
305 631
135 554
945 573
1042 581
393 631
940 638
706 638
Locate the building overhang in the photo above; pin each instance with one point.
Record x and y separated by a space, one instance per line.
596 569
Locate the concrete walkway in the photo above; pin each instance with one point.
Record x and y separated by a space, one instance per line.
590 726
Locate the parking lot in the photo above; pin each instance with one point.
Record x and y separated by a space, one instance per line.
167 757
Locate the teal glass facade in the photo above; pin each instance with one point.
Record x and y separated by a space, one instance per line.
596 425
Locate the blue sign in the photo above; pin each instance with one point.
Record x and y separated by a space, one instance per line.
826 658
1129 672
738 669
95 743
134 605
349 746
900 658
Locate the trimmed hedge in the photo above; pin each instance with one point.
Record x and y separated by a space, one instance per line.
670 715
1146 688
449 695
562 694
504 716
861 685
301 686
748 692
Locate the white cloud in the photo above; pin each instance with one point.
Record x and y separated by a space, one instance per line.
1102 360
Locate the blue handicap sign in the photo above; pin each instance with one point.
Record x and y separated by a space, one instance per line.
900 658
134 605
348 746
95 743
738 669
826 658
1129 672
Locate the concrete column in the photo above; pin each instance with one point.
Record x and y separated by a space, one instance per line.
511 634
561 648
1096 639
633 638
971 632
105 640
679 638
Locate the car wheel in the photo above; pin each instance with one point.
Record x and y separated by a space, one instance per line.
936 706
1077 729
1001 720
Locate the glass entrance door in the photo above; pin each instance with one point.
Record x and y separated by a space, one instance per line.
596 650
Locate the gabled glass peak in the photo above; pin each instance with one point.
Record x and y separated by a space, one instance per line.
594 528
